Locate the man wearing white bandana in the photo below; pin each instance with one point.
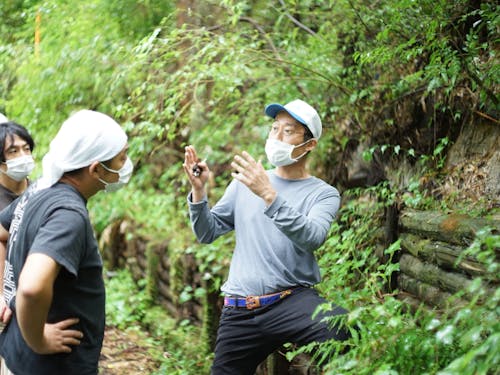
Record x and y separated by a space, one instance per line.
53 282
16 162
280 218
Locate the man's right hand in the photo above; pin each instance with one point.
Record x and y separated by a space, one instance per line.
197 181
58 337
5 311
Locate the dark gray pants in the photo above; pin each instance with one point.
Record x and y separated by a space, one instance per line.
246 337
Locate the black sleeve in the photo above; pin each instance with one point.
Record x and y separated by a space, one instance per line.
7 213
62 237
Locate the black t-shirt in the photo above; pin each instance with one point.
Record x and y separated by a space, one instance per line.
55 222
6 197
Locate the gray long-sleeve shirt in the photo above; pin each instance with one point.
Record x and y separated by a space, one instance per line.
274 245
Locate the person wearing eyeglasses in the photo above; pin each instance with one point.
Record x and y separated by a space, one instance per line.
280 217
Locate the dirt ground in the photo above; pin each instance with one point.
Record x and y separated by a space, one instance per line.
126 353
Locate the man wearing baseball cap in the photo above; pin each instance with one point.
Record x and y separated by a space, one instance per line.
280 217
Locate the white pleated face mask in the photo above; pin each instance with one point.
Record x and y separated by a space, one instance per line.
279 153
19 168
125 173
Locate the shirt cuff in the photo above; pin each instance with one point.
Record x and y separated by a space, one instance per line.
190 200
271 210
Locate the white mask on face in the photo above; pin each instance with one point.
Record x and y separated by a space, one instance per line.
279 153
19 168
125 172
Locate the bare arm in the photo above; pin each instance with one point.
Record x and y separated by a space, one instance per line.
4 236
5 311
34 297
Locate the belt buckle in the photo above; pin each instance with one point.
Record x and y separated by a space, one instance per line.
252 302
285 293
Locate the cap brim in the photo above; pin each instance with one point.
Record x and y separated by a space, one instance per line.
273 109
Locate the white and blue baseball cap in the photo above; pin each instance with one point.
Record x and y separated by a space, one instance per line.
300 111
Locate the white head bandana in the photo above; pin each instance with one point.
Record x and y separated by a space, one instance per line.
3 118
85 137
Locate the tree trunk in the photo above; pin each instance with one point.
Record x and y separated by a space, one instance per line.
433 275
454 228
443 254
277 364
427 293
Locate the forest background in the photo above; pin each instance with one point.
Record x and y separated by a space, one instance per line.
395 82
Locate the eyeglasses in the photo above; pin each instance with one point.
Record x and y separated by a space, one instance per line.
288 130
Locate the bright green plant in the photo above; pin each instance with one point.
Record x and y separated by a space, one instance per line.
125 303
375 71
388 337
176 343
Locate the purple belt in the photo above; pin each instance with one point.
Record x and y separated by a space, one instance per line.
252 302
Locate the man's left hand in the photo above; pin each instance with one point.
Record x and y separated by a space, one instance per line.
251 173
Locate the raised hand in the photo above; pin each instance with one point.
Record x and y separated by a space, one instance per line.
197 172
192 165
251 173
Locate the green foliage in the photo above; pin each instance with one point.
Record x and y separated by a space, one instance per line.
437 42
213 260
474 333
400 75
137 18
177 343
125 303
72 70
484 248
181 342
14 17
388 338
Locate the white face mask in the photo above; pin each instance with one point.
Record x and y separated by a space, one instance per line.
279 153
19 168
125 173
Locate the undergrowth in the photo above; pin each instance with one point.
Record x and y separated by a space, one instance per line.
180 350
389 337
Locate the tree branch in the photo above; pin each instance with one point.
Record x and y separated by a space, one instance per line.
296 21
